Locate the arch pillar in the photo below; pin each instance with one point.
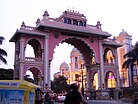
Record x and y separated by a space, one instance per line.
130 76
42 55
46 61
22 48
16 58
22 55
102 76
99 78
117 71
88 77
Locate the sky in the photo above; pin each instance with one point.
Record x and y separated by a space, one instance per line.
114 15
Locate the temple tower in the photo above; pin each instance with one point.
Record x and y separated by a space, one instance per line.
126 40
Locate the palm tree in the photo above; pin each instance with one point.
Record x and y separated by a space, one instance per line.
27 78
131 60
2 52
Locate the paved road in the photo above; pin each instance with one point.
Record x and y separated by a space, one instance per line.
98 102
103 102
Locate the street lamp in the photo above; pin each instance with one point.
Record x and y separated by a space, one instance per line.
82 83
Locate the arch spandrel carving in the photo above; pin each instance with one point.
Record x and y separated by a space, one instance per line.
79 43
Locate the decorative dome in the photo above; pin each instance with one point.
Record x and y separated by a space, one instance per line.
74 50
64 64
123 32
46 13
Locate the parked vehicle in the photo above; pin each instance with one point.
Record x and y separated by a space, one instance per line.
60 98
19 92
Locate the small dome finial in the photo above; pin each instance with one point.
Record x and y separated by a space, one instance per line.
46 15
38 21
123 32
98 25
23 24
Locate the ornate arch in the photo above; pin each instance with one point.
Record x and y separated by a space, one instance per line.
110 79
37 46
106 50
31 38
82 46
37 73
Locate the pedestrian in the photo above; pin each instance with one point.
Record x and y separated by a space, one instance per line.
38 97
74 96
46 98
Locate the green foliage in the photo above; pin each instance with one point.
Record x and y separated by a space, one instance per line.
131 56
2 52
6 74
128 92
59 85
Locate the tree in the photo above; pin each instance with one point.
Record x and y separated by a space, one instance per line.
131 59
6 74
2 51
59 84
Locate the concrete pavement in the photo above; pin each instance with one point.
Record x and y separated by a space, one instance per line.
104 102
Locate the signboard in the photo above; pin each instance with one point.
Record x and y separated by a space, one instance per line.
8 96
10 84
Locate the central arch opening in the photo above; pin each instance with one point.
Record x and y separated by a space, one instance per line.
75 53
61 54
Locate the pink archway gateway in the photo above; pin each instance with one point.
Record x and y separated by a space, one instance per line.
71 27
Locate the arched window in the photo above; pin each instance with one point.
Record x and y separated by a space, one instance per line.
95 81
75 22
111 82
85 24
93 60
76 62
108 56
65 20
80 23
69 21
134 74
124 77
29 52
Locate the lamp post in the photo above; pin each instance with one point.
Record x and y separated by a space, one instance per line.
134 75
82 84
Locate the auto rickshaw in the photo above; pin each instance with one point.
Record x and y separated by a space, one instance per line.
17 92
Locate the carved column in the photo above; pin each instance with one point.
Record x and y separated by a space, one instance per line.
42 55
101 64
117 70
16 58
22 48
88 77
46 61
130 76
22 53
98 78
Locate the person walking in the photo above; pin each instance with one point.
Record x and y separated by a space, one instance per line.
74 96
46 98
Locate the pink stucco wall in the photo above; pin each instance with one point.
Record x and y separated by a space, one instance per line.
53 42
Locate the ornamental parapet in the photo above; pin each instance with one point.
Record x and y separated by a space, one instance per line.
28 28
109 64
30 59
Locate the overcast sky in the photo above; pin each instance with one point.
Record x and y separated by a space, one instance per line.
114 16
